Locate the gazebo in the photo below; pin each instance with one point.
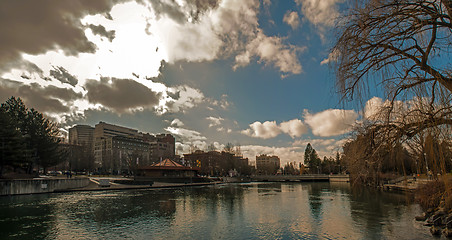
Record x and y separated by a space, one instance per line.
167 171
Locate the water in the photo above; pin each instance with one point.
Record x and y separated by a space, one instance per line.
230 211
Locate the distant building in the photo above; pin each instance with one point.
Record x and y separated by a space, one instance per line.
162 146
117 149
81 135
267 164
81 154
103 145
121 154
105 130
214 163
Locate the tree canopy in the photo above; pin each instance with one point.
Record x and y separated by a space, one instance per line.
312 159
404 47
28 139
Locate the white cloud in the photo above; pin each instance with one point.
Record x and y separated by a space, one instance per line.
223 102
177 123
269 129
372 108
214 121
294 127
332 57
271 50
266 130
320 12
331 122
186 134
292 19
179 99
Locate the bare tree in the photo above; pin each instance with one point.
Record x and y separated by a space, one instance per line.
404 47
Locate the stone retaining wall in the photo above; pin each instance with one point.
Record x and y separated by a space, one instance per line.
41 185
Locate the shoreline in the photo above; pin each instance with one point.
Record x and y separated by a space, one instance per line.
115 186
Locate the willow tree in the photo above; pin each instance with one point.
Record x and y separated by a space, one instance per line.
404 46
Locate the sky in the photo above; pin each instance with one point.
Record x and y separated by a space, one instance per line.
252 73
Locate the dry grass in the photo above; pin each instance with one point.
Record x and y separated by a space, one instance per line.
431 195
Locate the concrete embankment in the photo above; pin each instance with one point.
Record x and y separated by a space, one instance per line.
40 185
33 186
94 186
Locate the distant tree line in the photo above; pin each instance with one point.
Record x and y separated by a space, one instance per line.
28 140
372 158
328 165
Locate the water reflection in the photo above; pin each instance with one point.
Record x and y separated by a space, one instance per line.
230 211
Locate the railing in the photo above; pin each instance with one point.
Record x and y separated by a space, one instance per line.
304 177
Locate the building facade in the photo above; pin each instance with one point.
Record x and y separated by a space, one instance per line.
162 146
118 149
81 148
82 135
267 164
104 157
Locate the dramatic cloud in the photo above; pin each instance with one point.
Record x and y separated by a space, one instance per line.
36 27
189 10
121 95
180 99
292 19
62 75
220 30
48 99
101 31
269 129
331 122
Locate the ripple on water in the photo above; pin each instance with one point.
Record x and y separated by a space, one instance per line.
242 211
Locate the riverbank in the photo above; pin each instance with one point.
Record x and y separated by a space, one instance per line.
407 185
95 186
40 185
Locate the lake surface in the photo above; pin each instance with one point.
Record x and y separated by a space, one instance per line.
229 211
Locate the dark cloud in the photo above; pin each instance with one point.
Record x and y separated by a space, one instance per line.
62 75
120 95
44 99
34 27
22 64
171 10
101 31
194 8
